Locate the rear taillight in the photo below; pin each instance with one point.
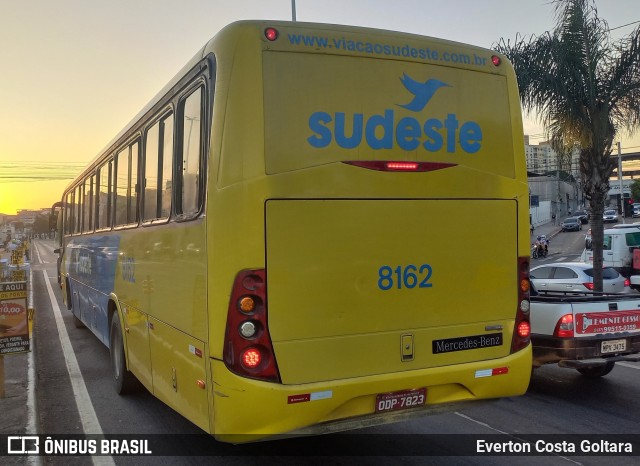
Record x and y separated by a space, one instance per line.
564 327
390 166
588 286
247 345
522 327
271 34
627 282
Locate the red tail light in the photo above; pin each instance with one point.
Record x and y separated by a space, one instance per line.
389 166
522 327
588 286
627 282
564 327
271 34
248 351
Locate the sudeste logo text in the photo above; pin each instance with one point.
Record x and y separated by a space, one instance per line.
386 131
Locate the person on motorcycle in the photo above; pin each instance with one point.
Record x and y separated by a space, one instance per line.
536 248
545 244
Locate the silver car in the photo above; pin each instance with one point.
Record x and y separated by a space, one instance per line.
576 276
610 216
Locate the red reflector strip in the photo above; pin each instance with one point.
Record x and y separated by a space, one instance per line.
389 166
304 397
492 372
299 398
500 371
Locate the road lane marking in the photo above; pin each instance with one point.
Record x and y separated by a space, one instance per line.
88 417
484 424
32 415
38 253
626 364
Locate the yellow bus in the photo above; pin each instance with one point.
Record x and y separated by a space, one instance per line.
311 228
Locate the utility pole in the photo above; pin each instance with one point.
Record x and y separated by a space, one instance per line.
620 179
293 10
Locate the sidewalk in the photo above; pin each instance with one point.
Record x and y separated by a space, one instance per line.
548 229
14 379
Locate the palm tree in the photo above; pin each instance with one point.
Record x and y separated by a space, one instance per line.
586 89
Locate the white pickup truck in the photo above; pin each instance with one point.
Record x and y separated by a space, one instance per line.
588 331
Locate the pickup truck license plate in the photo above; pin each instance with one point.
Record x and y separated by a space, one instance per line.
613 346
404 399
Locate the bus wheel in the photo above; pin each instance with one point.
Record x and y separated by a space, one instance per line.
77 323
598 371
123 381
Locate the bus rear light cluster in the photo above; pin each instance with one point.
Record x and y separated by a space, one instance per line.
248 351
522 329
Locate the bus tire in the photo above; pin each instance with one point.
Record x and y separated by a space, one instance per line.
123 381
68 294
77 323
597 371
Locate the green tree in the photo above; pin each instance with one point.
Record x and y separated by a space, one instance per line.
635 190
586 89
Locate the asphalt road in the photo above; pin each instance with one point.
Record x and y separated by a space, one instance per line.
559 402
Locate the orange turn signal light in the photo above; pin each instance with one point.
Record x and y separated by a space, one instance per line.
247 304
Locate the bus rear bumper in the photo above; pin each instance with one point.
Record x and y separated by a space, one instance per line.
247 410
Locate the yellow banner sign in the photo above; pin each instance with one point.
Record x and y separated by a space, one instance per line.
14 319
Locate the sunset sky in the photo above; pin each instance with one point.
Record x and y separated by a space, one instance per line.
74 72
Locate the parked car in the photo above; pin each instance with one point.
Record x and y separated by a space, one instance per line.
636 212
610 216
571 224
576 276
583 215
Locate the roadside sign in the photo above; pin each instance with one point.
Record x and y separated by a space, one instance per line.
14 323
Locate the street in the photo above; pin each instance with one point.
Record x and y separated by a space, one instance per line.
77 397
564 246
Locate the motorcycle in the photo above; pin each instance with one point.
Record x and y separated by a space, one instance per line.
539 251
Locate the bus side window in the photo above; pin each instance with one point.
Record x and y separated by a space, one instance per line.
158 170
151 155
134 188
189 163
87 223
68 214
166 168
122 185
78 209
103 194
127 189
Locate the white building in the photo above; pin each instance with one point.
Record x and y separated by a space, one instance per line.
542 159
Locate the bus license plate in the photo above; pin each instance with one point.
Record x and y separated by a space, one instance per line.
400 400
613 346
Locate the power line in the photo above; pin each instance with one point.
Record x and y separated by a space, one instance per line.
624 26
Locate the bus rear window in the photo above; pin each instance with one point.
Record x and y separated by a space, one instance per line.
321 109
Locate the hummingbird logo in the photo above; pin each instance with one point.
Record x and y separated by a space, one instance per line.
423 92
